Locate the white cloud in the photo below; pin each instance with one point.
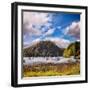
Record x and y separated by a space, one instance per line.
60 42
28 28
25 44
49 32
28 43
36 41
36 19
48 25
74 30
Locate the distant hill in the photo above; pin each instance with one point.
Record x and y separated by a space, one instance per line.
72 50
43 48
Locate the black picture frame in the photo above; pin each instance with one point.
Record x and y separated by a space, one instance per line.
14 43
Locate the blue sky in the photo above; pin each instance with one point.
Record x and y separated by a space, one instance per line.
59 27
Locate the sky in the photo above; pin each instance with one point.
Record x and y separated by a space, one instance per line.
59 27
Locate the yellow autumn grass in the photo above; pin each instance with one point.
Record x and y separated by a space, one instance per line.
52 70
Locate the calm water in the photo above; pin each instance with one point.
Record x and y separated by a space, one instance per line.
37 60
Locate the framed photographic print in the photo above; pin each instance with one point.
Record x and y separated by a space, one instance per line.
49 44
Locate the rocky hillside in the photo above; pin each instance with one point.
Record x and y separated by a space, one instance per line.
43 48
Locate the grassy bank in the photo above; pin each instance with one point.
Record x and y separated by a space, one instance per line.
50 69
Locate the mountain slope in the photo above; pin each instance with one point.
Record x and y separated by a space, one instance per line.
43 48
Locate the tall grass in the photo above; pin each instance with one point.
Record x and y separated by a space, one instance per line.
50 69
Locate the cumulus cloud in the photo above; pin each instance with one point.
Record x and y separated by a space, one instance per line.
35 17
32 22
28 28
60 42
74 30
